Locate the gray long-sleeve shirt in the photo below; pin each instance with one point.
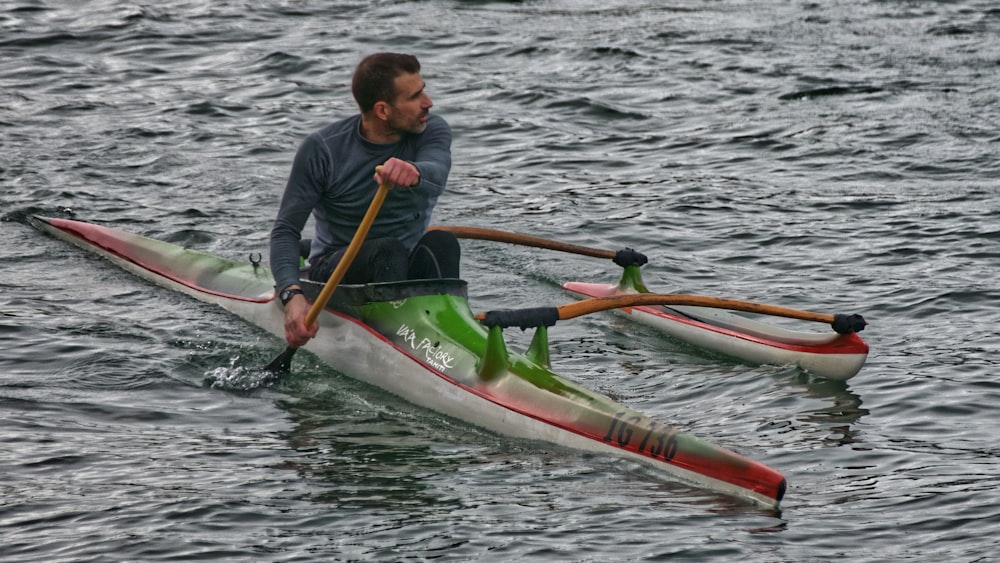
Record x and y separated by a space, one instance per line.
331 178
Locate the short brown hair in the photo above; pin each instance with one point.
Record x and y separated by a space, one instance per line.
375 78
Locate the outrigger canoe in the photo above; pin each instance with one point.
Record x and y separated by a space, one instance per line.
838 353
420 341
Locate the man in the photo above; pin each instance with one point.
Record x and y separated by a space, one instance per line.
333 178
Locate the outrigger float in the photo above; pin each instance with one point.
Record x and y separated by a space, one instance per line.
420 340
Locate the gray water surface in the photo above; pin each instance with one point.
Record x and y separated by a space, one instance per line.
837 157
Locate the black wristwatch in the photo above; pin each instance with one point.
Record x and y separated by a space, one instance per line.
286 294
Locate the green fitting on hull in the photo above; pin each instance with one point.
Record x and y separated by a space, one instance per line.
632 280
496 360
538 351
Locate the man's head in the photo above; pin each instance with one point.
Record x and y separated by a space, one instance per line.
388 86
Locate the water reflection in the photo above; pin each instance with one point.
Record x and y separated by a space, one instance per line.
371 452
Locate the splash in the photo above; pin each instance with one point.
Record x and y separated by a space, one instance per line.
235 377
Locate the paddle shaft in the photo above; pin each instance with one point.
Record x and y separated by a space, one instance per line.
352 251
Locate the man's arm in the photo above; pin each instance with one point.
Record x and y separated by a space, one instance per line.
433 158
302 193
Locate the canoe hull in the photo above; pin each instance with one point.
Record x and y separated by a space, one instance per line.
428 349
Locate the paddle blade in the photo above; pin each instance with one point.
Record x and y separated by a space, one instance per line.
282 364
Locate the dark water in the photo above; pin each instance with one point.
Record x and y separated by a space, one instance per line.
836 156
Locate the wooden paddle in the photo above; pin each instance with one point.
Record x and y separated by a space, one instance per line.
841 323
283 363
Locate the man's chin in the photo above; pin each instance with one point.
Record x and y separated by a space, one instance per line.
416 128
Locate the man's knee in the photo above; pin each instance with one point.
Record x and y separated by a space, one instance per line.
441 242
389 258
437 255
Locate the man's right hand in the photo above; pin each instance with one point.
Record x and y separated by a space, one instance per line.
398 172
296 332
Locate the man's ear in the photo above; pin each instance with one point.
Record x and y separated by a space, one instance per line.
381 110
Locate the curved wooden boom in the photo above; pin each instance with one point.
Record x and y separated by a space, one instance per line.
524 240
594 305
524 318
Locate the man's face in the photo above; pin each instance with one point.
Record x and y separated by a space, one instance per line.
409 110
